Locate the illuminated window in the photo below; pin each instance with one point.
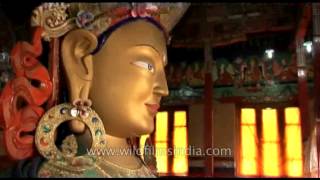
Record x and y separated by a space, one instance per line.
293 143
260 151
171 142
270 143
161 142
180 159
248 157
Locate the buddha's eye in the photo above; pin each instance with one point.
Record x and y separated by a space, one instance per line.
145 65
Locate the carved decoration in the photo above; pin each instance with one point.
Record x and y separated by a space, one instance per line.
59 18
22 97
53 17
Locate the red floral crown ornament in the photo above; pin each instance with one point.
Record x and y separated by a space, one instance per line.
35 88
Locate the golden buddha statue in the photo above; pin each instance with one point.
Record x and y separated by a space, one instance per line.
113 56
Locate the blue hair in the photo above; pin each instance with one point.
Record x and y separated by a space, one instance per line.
105 35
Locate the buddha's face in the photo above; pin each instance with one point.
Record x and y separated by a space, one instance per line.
129 79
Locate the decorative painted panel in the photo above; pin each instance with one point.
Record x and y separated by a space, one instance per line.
253 79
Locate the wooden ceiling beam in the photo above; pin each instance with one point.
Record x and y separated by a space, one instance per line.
303 23
194 43
204 24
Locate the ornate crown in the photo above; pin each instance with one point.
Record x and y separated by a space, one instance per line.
58 18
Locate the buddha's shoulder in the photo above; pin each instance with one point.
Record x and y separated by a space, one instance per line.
86 167
79 167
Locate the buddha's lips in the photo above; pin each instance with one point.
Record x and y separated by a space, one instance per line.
153 107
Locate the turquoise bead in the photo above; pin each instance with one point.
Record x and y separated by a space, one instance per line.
90 173
46 129
98 132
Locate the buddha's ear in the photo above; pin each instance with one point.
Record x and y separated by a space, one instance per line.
76 51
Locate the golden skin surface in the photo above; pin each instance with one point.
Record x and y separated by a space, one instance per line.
128 74
125 81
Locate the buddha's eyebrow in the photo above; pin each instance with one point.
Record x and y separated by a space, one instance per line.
148 45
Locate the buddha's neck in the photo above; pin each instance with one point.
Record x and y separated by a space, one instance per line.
122 155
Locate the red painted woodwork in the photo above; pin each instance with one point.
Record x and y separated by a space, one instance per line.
316 48
304 22
54 67
318 144
208 118
233 99
303 100
22 97
302 82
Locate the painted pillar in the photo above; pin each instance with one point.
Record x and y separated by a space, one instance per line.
303 98
208 110
316 55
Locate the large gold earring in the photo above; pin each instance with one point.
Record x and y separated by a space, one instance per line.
46 129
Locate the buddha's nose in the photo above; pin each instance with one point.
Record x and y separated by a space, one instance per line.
160 85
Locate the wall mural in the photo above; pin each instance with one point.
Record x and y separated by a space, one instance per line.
254 78
250 79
